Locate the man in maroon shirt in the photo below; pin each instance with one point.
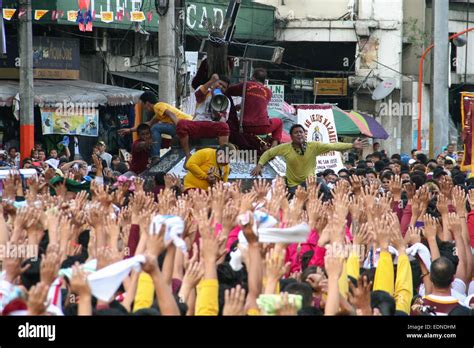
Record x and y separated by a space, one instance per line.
257 97
141 149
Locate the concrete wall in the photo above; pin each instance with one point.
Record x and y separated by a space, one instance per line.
313 9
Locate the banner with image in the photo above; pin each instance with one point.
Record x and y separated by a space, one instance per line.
467 135
84 122
318 120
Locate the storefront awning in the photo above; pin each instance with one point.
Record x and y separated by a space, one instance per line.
147 77
52 92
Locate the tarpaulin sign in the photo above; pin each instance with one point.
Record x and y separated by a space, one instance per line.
85 122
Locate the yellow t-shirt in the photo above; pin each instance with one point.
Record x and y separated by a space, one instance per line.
198 166
160 115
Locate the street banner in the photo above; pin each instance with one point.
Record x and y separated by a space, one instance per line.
85 122
278 97
467 113
318 120
107 17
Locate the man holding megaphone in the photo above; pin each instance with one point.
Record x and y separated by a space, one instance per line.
210 117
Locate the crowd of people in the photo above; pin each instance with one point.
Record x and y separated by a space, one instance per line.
381 236
391 239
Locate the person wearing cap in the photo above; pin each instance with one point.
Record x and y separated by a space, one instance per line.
107 157
164 122
206 167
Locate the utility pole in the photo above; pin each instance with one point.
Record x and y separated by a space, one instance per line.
27 128
167 54
439 115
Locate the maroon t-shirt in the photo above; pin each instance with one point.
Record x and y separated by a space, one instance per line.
139 158
257 97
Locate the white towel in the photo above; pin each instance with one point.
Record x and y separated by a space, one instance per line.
88 267
105 282
236 260
422 251
173 232
294 234
263 227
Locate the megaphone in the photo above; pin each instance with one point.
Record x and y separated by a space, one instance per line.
219 102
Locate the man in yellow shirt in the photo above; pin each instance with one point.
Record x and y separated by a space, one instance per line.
165 121
300 156
206 167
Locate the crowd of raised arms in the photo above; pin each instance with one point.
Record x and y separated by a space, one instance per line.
379 243
383 236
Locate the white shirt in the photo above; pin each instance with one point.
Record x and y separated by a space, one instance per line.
203 110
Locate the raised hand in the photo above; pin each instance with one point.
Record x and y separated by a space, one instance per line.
396 188
442 205
359 296
37 295
381 230
275 268
49 267
193 275
79 283
413 235
234 301
156 243
261 188
454 223
356 184
112 229
431 226
446 186
171 180
364 235
459 200
218 201
246 202
410 189
229 217
13 269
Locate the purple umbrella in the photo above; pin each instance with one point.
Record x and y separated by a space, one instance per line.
378 132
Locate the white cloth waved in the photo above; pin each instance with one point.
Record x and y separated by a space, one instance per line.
264 228
422 251
173 232
105 282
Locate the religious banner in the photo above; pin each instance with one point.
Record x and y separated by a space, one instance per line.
318 121
70 121
467 113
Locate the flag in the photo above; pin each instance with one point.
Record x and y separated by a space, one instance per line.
39 14
8 13
137 16
107 17
72 16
